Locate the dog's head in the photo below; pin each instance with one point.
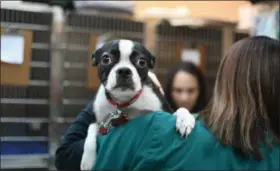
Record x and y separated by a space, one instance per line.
123 66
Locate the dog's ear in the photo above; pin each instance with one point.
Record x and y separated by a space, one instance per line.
152 61
96 56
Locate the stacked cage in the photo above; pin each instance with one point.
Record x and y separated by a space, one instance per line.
25 110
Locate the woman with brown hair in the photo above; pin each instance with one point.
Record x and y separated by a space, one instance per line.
185 87
245 106
239 131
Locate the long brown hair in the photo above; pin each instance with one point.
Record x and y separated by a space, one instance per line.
244 111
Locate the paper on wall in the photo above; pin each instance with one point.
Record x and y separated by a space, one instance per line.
191 55
12 49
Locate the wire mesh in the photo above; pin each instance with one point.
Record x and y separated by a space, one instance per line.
25 110
238 36
169 38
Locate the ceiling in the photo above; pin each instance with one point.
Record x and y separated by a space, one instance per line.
226 11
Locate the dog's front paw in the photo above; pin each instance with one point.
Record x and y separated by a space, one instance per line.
185 121
87 162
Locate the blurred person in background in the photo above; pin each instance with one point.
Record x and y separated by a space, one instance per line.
239 131
185 87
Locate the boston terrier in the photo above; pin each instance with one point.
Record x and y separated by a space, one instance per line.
126 91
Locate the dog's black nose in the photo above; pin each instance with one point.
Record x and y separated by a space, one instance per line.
124 72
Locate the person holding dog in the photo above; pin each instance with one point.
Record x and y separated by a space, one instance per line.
69 153
239 131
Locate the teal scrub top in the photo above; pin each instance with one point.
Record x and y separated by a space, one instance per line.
150 142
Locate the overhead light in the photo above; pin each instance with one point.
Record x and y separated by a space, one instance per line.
167 13
187 21
246 14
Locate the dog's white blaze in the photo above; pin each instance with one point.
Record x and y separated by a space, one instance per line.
101 105
125 48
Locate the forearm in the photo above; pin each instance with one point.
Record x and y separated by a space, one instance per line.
69 154
69 157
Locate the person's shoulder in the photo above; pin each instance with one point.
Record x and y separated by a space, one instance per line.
161 124
163 127
166 121
158 118
164 141
164 116
163 120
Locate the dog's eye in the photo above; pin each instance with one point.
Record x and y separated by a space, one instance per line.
106 60
141 63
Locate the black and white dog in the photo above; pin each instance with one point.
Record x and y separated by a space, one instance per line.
123 68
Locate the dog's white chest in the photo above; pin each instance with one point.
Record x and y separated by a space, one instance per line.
102 108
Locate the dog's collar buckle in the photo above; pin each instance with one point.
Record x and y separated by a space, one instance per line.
120 120
103 130
114 119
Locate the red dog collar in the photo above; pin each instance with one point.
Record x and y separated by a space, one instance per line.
125 104
104 128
